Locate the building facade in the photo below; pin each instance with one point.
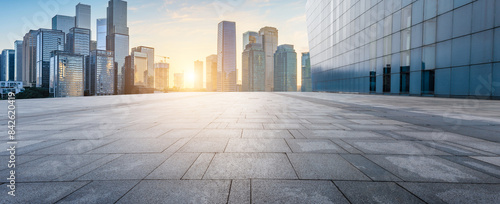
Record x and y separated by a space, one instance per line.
8 65
179 80
269 39
253 68
150 75
250 37
18 48
226 57
401 47
83 14
101 25
63 23
66 74
198 75
211 70
306 73
47 41
162 76
285 69
117 39
78 41
100 79
140 68
29 58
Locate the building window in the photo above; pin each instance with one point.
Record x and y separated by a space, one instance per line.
373 81
404 86
387 79
428 79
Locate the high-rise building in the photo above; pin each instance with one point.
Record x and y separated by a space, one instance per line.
8 65
150 75
198 75
101 25
101 73
128 76
47 41
306 73
18 47
226 54
399 47
29 58
253 68
162 76
285 69
269 39
63 23
250 37
140 66
117 39
211 70
66 74
179 80
93 45
82 18
78 41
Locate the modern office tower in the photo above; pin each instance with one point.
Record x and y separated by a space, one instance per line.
211 76
66 74
128 76
2 74
47 41
250 37
78 41
18 67
253 68
162 76
226 54
198 74
100 79
440 48
150 75
117 38
269 39
101 25
140 66
29 58
93 45
179 80
306 73
82 18
63 23
8 66
285 69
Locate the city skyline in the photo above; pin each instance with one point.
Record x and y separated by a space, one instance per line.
168 26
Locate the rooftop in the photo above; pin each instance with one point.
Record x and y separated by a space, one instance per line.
254 148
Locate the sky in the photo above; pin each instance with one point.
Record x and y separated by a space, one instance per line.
183 30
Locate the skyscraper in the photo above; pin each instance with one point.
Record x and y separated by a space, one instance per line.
306 73
179 80
93 45
162 76
7 68
150 75
269 39
211 76
63 23
29 59
101 25
198 74
18 47
117 38
253 68
250 37
66 74
140 67
128 76
47 41
78 41
101 77
226 54
82 18
285 69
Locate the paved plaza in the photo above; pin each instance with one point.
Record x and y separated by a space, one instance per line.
254 148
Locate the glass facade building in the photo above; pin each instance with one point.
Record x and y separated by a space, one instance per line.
250 37
78 41
117 39
47 41
416 47
162 76
101 25
66 74
150 75
306 73
18 67
269 40
100 79
198 74
29 58
140 67
211 76
82 18
226 54
63 23
253 74
8 65
285 69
